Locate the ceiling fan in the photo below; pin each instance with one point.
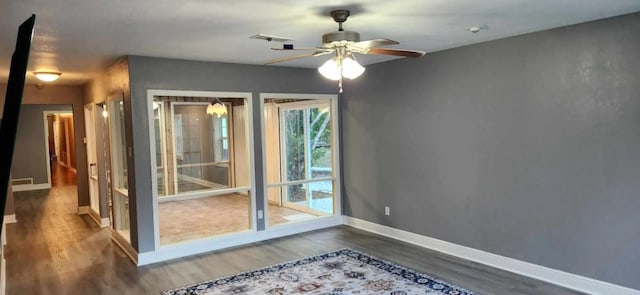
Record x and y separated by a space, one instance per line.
343 45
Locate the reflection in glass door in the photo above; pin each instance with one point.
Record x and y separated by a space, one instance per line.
120 187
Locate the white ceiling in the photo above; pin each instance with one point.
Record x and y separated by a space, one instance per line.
81 37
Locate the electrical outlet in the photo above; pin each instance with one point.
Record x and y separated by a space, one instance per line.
260 214
387 211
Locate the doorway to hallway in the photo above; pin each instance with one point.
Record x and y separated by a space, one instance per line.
61 147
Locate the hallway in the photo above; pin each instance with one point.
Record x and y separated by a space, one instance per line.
52 249
61 176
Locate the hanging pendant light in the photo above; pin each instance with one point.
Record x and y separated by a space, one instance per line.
217 108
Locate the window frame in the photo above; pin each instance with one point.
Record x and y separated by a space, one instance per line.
247 96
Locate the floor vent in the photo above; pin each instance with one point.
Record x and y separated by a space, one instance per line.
21 181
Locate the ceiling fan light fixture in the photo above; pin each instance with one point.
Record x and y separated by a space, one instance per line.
217 108
351 68
331 69
336 68
47 76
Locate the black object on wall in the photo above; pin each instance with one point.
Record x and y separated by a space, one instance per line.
12 102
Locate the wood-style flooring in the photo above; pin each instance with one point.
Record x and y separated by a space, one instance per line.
61 176
52 250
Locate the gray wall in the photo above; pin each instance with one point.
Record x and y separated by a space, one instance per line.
527 147
65 95
158 73
30 155
113 83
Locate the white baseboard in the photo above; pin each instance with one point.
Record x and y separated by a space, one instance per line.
83 210
554 276
10 219
178 250
30 187
101 222
125 246
105 222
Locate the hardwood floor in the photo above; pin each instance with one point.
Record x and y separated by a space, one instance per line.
61 176
52 250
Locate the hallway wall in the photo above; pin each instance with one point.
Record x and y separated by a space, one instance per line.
70 95
30 154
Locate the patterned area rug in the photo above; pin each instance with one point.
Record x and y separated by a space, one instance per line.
341 272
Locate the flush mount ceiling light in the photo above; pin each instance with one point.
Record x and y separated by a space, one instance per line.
217 108
47 76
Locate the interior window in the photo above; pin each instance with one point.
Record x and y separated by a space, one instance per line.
202 178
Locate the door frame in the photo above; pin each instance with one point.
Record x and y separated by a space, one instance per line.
90 123
46 140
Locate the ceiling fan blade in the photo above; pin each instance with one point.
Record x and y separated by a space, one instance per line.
374 43
287 58
396 52
299 48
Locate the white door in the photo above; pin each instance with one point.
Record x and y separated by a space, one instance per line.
92 158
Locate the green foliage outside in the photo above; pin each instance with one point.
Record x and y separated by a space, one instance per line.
319 145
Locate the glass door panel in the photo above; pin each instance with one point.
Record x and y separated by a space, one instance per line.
305 179
119 179
90 128
295 153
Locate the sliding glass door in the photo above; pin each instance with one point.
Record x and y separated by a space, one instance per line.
300 157
306 156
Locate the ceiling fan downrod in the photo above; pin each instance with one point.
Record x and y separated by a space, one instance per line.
340 16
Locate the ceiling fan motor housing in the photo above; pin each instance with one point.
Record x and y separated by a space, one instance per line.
340 36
